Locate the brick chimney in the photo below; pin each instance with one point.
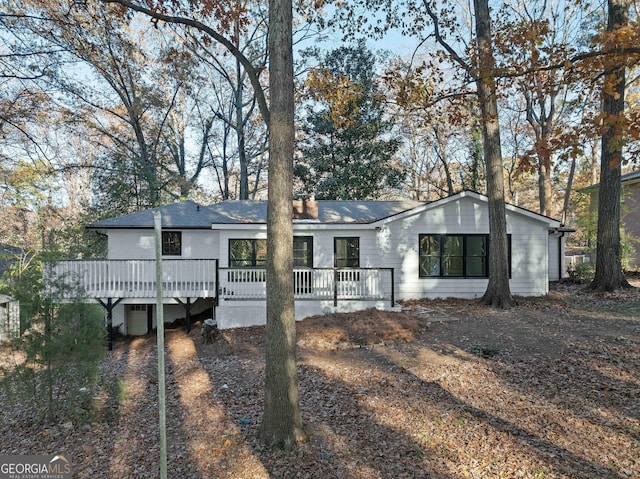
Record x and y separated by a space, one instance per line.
306 208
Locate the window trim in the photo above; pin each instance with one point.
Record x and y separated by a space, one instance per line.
441 241
169 246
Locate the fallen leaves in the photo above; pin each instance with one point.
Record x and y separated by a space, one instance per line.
547 390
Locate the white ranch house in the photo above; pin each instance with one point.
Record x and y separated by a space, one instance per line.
348 256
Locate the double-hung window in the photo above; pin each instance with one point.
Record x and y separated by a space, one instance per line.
172 243
347 252
347 255
462 256
303 251
303 258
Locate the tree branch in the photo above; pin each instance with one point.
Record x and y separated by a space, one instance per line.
252 72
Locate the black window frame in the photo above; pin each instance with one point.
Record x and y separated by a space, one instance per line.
171 243
355 262
308 260
441 240
253 259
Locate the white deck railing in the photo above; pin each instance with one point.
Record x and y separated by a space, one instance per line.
315 284
184 278
132 278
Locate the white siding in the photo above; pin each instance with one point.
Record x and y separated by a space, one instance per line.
386 244
399 244
140 244
529 256
396 246
555 256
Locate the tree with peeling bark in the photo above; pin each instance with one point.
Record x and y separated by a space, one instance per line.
609 275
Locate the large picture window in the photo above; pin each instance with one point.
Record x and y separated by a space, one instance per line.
172 243
247 253
462 256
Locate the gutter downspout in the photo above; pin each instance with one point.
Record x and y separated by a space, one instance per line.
560 277
562 231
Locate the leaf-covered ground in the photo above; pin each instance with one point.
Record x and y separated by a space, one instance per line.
446 389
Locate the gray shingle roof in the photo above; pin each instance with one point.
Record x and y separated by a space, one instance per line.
189 214
627 177
632 175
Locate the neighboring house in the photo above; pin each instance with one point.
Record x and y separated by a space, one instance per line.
9 317
348 255
629 213
9 307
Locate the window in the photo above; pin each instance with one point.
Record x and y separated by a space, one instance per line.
303 251
476 256
303 258
248 253
172 243
465 256
347 252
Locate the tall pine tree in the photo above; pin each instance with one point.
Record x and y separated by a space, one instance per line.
348 147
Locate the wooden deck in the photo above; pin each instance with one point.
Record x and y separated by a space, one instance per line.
202 278
181 278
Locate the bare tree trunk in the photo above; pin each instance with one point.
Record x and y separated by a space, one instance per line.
567 192
609 275
498 293
544 184
281 421
442 156
541 122
594 163
240 124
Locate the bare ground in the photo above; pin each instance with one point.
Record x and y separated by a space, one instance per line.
447 389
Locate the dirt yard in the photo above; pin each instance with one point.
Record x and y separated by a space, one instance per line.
446 389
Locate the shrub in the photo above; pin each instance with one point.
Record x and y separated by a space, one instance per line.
55 367
582 272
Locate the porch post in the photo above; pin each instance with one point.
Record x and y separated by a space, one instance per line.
188 306
335 288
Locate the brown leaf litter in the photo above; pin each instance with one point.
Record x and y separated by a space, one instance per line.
446 389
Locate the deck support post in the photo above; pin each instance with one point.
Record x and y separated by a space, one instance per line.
393 287
187 307
108 306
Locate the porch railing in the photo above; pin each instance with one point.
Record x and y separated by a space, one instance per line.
114 278
314 284
101 278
